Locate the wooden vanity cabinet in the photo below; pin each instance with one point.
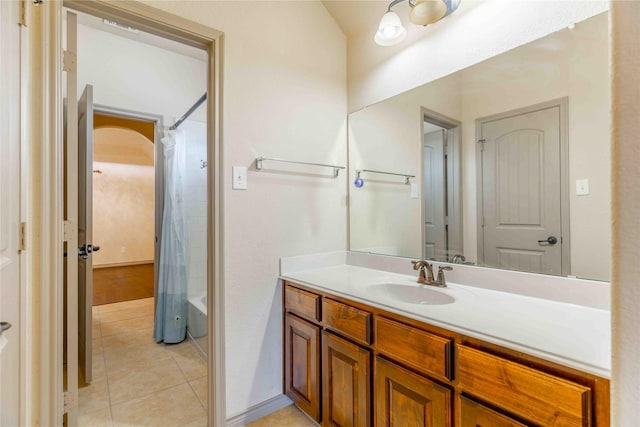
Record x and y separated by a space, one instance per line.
302 364
346 383
349 364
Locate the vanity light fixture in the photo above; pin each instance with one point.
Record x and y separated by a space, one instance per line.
423 12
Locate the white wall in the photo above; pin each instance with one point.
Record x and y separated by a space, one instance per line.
488 28
136 76
123 197
285 96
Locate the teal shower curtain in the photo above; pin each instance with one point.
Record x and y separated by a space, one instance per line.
171 300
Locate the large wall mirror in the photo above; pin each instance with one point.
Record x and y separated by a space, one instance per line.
505 164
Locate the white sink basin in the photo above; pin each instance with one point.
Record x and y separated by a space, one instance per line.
418 294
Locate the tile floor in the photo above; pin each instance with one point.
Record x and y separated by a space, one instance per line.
137 382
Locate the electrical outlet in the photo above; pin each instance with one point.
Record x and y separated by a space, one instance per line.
123 249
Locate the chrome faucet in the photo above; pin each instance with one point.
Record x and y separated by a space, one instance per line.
458 259
425 273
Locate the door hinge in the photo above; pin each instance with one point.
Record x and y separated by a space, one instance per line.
68 230
70 401
69 61
22 19
22 238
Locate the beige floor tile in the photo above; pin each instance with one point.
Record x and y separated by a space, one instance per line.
127 326
131 357
289 416
96 418
135 338
172 407
202 422
200 388
94 396
192 364
144 379
125 314
96 330
96 347
99 370
125 305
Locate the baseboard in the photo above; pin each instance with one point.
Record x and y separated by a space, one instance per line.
122 264
260 410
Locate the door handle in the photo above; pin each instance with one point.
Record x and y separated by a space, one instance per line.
551 240
4 326
85 250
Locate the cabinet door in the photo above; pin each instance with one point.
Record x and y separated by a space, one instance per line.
302 364
477 415
345 383
403 398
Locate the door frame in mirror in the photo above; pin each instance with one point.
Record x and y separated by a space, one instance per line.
563 106
454 175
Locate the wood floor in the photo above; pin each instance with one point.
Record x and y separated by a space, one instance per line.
116 284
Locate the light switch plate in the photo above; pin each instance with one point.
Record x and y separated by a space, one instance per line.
582 187
414 190
239 178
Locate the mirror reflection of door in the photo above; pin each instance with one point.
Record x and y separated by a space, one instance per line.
441 213
434 192
520 226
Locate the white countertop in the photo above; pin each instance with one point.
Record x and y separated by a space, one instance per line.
573 335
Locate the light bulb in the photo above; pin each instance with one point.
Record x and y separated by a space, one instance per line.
390 30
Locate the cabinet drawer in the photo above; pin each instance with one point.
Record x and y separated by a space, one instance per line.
526 392
348 320
475 414
302 303
420 350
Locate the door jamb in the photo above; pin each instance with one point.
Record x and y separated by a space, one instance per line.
49 98
563 106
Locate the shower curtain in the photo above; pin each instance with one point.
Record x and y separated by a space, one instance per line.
171 299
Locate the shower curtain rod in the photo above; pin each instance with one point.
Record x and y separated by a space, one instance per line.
189 112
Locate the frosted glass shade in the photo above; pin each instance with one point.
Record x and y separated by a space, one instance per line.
390 30
425 12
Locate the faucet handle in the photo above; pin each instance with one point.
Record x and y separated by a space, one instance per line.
418 264
441 281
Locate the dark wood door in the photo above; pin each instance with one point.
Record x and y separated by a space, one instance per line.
346 383
477 415
302 364
403 398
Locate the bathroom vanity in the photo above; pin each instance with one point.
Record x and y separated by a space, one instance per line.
364 347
